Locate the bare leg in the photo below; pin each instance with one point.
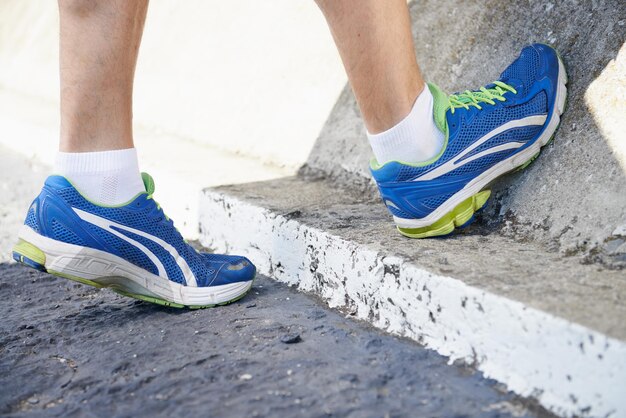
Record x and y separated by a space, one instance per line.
98 53
375 43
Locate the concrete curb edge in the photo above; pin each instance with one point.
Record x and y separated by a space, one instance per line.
568 368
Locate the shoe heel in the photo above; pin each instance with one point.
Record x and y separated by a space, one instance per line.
29 255
461 216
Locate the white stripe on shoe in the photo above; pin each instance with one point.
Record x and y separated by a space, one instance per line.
107 225
456 162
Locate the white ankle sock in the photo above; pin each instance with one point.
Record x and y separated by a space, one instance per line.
415 139
105 177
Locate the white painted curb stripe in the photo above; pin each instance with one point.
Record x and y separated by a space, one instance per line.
567 367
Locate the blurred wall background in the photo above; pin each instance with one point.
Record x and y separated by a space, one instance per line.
226 92
253 78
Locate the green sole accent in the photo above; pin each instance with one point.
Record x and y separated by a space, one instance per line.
150 299
459 216
228 302
164 302
28 250
530 161
75 278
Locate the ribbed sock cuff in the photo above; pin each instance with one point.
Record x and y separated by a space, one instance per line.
414 139
105 177
96 162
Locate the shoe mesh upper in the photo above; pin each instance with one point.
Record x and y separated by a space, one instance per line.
31 220
222 258
523 69
126 251
434 202
174 273
62 233
204 266
483 123
398 212
528 86
513 135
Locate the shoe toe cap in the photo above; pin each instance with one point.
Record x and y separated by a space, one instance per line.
237 269
534 63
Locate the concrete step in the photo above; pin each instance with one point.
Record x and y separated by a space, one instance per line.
573 196
547 325
534 295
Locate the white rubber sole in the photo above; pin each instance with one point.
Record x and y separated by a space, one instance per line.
103 269
503 167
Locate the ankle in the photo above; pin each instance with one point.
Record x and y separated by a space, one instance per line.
414 139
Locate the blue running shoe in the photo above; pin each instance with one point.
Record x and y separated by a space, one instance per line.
133 249
489 132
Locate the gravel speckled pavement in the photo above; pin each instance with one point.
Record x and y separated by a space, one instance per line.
71 350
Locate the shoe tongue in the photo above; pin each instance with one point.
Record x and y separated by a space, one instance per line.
463 98
441 104
516 83
148 182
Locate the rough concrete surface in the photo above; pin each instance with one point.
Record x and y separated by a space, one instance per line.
574 196
540 322
566 286
71 350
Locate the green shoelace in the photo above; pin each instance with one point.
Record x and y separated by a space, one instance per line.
484 95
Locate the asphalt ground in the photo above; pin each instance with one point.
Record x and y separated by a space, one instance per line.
70 350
